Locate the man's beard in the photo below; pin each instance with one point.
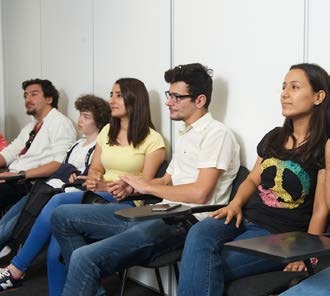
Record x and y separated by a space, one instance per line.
32 112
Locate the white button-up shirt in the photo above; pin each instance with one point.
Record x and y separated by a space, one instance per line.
51 143
206 143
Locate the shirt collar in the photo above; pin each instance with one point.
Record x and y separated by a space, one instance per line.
49 115
198 125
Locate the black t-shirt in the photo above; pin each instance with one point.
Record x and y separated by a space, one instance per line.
284 201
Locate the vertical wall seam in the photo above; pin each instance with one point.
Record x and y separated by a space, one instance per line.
172 33
172 65
93 49
306 30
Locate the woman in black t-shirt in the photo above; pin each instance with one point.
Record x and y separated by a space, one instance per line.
289 177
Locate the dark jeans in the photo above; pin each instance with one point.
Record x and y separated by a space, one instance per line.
119 244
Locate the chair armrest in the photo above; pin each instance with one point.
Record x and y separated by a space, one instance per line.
13 178
284 247
74 185
173 216
206 208
145 197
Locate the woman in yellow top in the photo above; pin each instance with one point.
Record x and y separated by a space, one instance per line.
128 145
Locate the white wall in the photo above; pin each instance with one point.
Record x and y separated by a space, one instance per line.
85 45
250 45
318 49
22 57
2 100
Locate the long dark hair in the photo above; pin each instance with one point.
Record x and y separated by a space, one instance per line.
136 100
313 148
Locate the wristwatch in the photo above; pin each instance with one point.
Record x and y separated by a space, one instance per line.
22 174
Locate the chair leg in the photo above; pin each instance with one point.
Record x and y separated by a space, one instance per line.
123 281
159 281
176 271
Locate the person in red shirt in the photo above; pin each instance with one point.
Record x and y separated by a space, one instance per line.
3 142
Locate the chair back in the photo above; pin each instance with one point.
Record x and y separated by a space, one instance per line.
240 177
162 169
160 173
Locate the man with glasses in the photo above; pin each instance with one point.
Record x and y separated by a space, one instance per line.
40 147
205 163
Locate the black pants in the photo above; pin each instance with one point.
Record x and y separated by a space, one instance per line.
10 193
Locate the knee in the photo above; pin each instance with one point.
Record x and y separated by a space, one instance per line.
80 259
56 200
193 238
198 230
204 233
57 217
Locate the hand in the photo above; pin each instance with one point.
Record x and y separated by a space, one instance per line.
229 212
119 189
93 183
73 178
295 266
138 184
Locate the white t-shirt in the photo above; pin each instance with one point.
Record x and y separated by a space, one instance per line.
78 154
207 143
78 159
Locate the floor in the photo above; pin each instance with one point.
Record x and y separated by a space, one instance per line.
35 283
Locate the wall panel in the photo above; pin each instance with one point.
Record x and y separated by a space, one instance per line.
22 51
318 33
67 49
250 45
132 39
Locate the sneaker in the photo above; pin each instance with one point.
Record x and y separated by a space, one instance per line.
7 281
5 251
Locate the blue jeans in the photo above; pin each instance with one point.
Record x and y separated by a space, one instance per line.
206 266
41 235
8 221
117 244
316 285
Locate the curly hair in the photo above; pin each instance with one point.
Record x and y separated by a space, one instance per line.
97 106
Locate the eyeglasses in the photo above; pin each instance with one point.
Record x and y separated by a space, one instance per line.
175 97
